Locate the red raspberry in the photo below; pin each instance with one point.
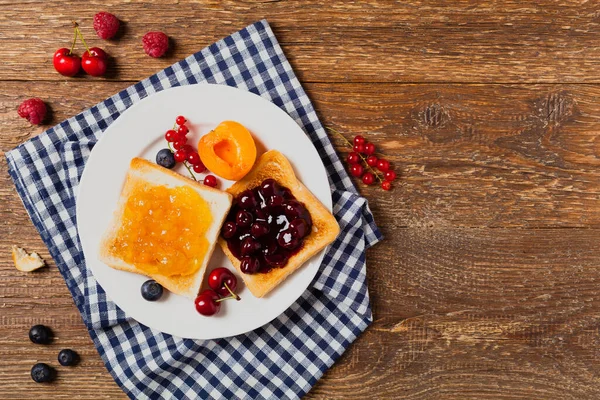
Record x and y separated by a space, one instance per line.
34 110
155 44
106 25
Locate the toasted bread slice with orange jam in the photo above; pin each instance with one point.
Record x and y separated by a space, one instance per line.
165 227
325 228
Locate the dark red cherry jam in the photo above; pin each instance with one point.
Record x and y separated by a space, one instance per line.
265 227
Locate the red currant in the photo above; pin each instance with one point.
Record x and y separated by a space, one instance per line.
180 120
386 185
383 165
183 130
179 155
356 169
188 149
359 148
369 148
372 161
170 135
199 168
368 178
389 175
178 144
353 158
210 180
193 158
359 140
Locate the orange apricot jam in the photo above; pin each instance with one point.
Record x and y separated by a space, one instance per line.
163 230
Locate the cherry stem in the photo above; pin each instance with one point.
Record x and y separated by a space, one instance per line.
78 32
235 296
360 155
74 39
225 298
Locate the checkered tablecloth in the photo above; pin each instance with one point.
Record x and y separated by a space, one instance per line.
282 359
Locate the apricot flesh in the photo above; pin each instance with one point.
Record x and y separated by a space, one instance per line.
228 151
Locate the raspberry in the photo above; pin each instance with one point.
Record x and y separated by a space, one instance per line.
106 25
34 110
155 44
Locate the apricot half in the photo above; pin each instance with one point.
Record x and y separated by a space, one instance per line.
228 151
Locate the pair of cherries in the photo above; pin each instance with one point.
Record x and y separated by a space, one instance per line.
94 60
222 283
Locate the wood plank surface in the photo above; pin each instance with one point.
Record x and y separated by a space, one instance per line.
373 41
487 283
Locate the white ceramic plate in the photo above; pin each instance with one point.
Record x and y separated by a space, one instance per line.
139 132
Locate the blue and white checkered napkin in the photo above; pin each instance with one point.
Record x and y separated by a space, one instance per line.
282 359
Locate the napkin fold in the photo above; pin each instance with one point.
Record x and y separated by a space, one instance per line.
282 359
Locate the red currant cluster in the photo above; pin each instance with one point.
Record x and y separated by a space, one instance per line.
361 149
186 154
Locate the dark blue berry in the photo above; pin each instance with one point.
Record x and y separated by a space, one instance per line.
68 357
165 158
41 372
40 334
152 290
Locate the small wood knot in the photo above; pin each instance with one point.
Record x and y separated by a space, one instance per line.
434 116
556 108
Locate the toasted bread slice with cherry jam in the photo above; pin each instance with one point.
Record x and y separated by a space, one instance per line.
325 228
165 227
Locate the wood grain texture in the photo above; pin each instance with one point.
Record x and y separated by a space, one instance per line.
374 41
487 283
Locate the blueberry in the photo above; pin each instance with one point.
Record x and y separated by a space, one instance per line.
152 290
40 334
165 158
68 357
41 372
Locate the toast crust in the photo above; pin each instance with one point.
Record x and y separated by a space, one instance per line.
151 174
273 164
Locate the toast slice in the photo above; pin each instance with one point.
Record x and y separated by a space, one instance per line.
165 227
325 228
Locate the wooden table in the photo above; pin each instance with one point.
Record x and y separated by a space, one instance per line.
487 285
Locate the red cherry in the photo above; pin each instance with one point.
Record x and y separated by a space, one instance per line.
383 165
386 185
206 303
193 158
183 130
353 158
178 144
220 277
372 161
369 148
210 180
180 120
356 169
95 61
359 148
179 155
199 168
170 135
368 178
66 63
389 175
359 139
